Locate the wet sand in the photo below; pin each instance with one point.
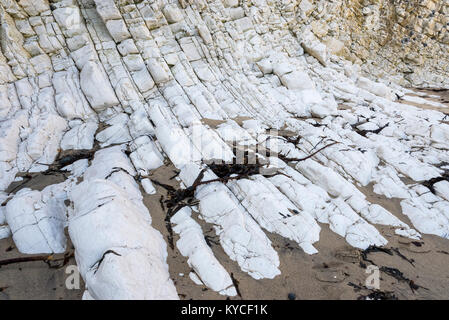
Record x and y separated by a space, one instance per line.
34 280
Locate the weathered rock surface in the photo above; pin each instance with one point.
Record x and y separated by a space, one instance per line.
124 87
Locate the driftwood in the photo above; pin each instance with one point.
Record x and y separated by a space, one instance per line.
430 183
398 253
180 198
64 158
284 158
363 133
235 282
67 157
393 272
398 275
374 294
50 260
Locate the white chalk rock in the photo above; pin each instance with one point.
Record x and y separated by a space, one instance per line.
87 295
96 87
37 220
172 13
158 70
274 212
442 189
314 47
80 137
108 160
119 254
69 18
118 30
115 134
107 9
5 232
426 220
42 144
148 186
297 80
191 244
146 156
3 209
139 124
377 88
240 236
326 178
439 133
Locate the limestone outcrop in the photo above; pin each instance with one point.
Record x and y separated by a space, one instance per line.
108 91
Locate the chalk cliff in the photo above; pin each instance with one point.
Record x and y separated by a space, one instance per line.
319 92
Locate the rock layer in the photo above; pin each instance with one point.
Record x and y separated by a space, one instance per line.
311 88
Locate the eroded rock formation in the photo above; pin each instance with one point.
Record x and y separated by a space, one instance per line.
139 84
